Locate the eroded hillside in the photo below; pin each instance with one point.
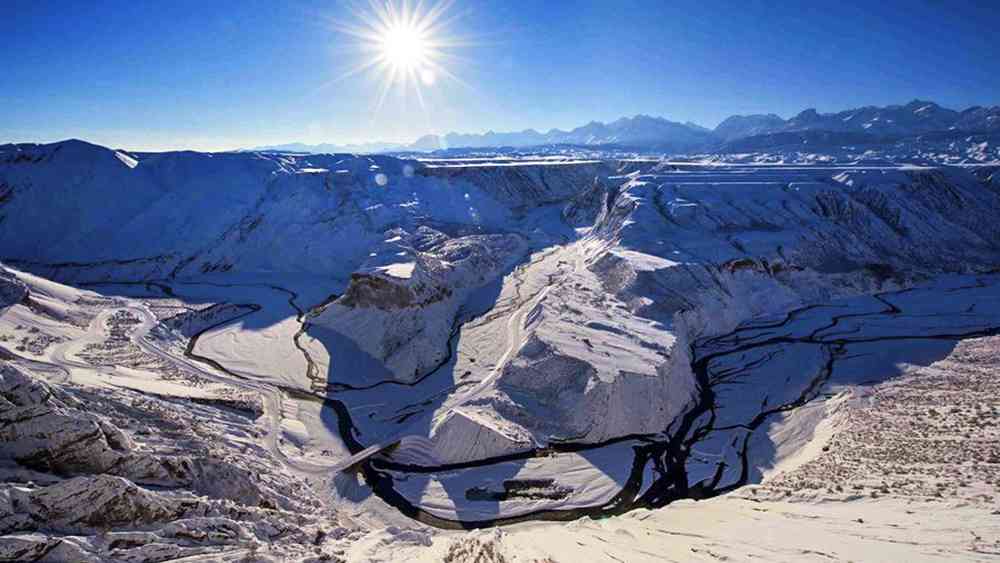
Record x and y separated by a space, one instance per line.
474 342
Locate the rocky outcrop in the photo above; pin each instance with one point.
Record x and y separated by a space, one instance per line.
522 186
684 254
12 290
98 474
584 207
401 309
388 293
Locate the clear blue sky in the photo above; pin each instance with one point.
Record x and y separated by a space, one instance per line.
226 74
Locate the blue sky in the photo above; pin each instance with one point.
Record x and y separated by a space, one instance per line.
229 74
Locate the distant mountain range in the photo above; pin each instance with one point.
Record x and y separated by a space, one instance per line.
870 123
913 118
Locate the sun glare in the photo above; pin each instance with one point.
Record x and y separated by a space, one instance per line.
405 46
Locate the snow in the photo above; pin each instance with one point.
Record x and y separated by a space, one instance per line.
126 159
506 337
401 270
586 479
733 528
487 163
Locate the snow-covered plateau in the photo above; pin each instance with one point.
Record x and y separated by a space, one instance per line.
788 355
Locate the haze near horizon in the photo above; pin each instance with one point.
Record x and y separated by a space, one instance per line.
237 75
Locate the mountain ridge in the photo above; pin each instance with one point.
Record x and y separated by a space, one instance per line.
913 118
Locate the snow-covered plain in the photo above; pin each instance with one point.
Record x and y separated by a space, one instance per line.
335 355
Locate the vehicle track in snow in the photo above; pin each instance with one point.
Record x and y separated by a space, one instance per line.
272 393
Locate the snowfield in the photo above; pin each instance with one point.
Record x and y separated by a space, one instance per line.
257 356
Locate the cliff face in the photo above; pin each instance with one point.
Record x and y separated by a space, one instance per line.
368 290
12 290
73 210
550 301
680 255
401 308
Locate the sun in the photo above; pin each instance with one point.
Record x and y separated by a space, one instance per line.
405 46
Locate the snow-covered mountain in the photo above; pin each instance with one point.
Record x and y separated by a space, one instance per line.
184 212
483 339
643 132
409 243
913 118
640 130
979 118
736 126
303 148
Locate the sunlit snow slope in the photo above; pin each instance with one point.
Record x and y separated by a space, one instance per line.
496 325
